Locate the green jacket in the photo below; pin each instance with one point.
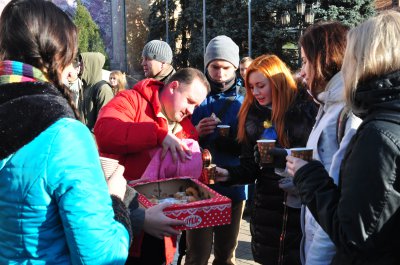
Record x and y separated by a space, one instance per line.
96 92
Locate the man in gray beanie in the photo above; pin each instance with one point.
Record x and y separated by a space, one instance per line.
221 61
222 47
157 60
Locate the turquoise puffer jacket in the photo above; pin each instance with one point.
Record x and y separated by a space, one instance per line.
55 205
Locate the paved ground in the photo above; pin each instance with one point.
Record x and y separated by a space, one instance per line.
243 251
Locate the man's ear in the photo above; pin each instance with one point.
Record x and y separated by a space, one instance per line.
173 85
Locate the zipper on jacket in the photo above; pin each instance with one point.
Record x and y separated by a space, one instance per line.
283 232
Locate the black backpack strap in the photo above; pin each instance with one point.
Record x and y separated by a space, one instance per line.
96 89
341 123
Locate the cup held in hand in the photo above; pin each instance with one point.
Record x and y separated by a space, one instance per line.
302 153
109 166
223 130
208 174
263 147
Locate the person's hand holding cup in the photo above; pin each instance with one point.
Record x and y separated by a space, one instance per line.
117 183
298 158
208 174
302 153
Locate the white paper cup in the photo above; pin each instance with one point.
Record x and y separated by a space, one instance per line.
109 166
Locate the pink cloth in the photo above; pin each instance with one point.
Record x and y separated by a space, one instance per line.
167 168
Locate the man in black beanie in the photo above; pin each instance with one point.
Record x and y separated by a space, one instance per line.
221 61
157 60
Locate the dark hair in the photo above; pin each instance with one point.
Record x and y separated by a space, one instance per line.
75 62
324 44
187 75
38 33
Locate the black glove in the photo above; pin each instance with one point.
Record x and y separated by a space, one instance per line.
279 155
227 145
256 154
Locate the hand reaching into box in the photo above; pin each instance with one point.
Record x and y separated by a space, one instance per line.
159 225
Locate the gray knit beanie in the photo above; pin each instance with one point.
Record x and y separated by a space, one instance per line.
222 48
158 50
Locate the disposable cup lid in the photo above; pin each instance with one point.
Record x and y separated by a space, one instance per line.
301 149
266 141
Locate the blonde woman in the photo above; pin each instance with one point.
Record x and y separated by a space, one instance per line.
243 65
117 81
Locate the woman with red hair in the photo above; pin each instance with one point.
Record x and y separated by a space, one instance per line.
274 108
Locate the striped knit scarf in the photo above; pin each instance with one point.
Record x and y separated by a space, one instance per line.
13 71
29 104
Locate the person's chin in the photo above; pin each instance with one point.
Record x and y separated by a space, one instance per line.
179 118
263 102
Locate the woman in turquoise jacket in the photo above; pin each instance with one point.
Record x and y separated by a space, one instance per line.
55 204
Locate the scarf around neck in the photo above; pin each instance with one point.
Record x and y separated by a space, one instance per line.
165 73
217 88
13 71
28 105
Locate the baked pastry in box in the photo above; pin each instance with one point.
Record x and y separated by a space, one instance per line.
207 208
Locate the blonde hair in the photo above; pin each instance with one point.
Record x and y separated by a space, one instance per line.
283 88
246 59
121 81
373 49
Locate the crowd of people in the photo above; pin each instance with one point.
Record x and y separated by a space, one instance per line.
58 116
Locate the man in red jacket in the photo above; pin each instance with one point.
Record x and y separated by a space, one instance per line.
151 115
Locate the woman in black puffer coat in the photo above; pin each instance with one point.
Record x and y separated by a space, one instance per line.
273 109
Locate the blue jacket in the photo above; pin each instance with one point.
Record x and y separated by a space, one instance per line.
55 205
213 104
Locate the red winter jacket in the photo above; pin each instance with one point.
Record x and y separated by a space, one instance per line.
131 124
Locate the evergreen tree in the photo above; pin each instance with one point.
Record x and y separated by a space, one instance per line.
157 19
190 34
230 18
137 32
269 36
89 38
224 17
157 24
348 12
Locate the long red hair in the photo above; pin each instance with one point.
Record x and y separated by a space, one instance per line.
283 90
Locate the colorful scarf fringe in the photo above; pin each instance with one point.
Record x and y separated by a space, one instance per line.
13 72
